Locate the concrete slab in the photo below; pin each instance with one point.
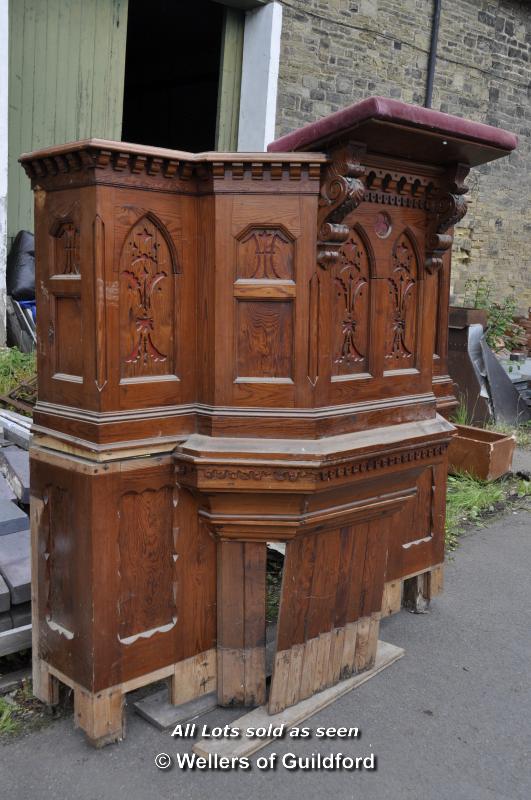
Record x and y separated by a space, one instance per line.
522 460
6 492
16 427
14 465
20 614
6 623
14 546
13 641
15 565
5 597
17 575
163 715
12 518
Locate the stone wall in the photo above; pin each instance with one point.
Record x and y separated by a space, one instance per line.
335 52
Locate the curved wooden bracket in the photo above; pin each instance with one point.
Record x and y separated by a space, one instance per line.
445 211
342 191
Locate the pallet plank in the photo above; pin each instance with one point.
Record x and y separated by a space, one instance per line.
386 655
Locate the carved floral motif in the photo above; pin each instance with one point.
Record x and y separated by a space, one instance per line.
143 279
352 287
402 285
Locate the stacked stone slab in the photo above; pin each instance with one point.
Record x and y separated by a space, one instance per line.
15 564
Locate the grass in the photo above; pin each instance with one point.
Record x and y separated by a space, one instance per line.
460 415
21 712
470 499
15 367
8 722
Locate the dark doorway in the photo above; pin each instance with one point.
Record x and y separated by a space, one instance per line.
172 73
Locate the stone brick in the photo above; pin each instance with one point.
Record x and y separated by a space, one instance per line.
15 565
12 518
20 615
17 575
6 492
14 465
6 623
483 72
5 599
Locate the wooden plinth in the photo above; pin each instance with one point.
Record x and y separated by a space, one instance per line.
413 592
100 714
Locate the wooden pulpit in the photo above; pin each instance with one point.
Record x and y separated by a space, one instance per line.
235 349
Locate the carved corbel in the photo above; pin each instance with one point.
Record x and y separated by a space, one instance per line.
342 190
445 211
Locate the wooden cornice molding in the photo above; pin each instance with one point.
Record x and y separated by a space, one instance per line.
210 477
118 159
218 464
252 525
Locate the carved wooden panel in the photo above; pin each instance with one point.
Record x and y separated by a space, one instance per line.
264 339
68 336
265 254
401 316
146 557
63 316
66 256
147 301
59 595
351 286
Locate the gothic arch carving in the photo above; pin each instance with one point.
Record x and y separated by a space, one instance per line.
148 265
352 289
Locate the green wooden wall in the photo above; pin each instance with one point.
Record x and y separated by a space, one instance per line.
66 81
230 79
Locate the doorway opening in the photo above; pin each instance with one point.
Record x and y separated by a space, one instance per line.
172 74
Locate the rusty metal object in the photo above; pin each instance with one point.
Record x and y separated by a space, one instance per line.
23 397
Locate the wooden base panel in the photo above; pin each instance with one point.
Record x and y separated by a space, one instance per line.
421 588
321 662
386 654
241 626
193 678
100 714
241 676
45 685
392 598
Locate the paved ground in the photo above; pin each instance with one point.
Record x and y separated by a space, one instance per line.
522 460
450 721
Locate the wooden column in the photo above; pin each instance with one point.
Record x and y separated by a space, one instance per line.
241 623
